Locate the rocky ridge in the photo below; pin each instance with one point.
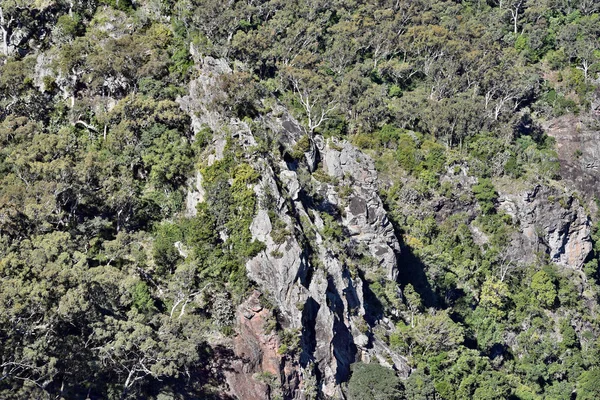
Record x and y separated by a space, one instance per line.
309 275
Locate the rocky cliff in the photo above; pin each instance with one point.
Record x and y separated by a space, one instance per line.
327 235
317 227
550 223
578 151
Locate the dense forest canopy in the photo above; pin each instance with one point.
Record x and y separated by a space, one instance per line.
108 289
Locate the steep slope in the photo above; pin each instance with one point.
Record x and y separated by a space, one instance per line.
323 232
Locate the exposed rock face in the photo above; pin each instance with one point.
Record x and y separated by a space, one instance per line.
324 301
549 223
578 150
256 352
202 94
195 195
304 271
365 217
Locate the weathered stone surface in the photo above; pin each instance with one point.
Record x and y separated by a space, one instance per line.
301 274
290 180
255 351
195 195
330 299
365 218
578 150
550 222
202 93
361 340
312 156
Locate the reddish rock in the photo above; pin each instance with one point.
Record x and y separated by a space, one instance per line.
255 351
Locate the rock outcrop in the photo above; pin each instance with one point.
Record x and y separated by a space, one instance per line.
549 222
364 215
578 150
255 350
309 279
323 217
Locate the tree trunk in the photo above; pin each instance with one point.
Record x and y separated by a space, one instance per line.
4 41
4 28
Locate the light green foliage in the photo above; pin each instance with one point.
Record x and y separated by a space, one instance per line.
436 332
588 385
494 295
407 153
543 286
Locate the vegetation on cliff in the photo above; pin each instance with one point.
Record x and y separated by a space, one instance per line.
108 289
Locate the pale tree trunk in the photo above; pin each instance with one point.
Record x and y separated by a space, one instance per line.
316 114
4 28
515 14
585 66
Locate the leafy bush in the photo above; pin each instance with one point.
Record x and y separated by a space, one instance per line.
373 382
544 287
486 195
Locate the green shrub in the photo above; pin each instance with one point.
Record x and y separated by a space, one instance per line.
544 287
142 300
123 5
407 153
486 195
373 382
395 91
301 147
588 385
164 251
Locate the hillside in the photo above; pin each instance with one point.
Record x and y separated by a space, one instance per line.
299 199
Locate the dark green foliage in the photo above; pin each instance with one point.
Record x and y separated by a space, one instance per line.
332 230
290 342
164 251
486 195
71 25
123 5
569 336
372 382
301 147
142 300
